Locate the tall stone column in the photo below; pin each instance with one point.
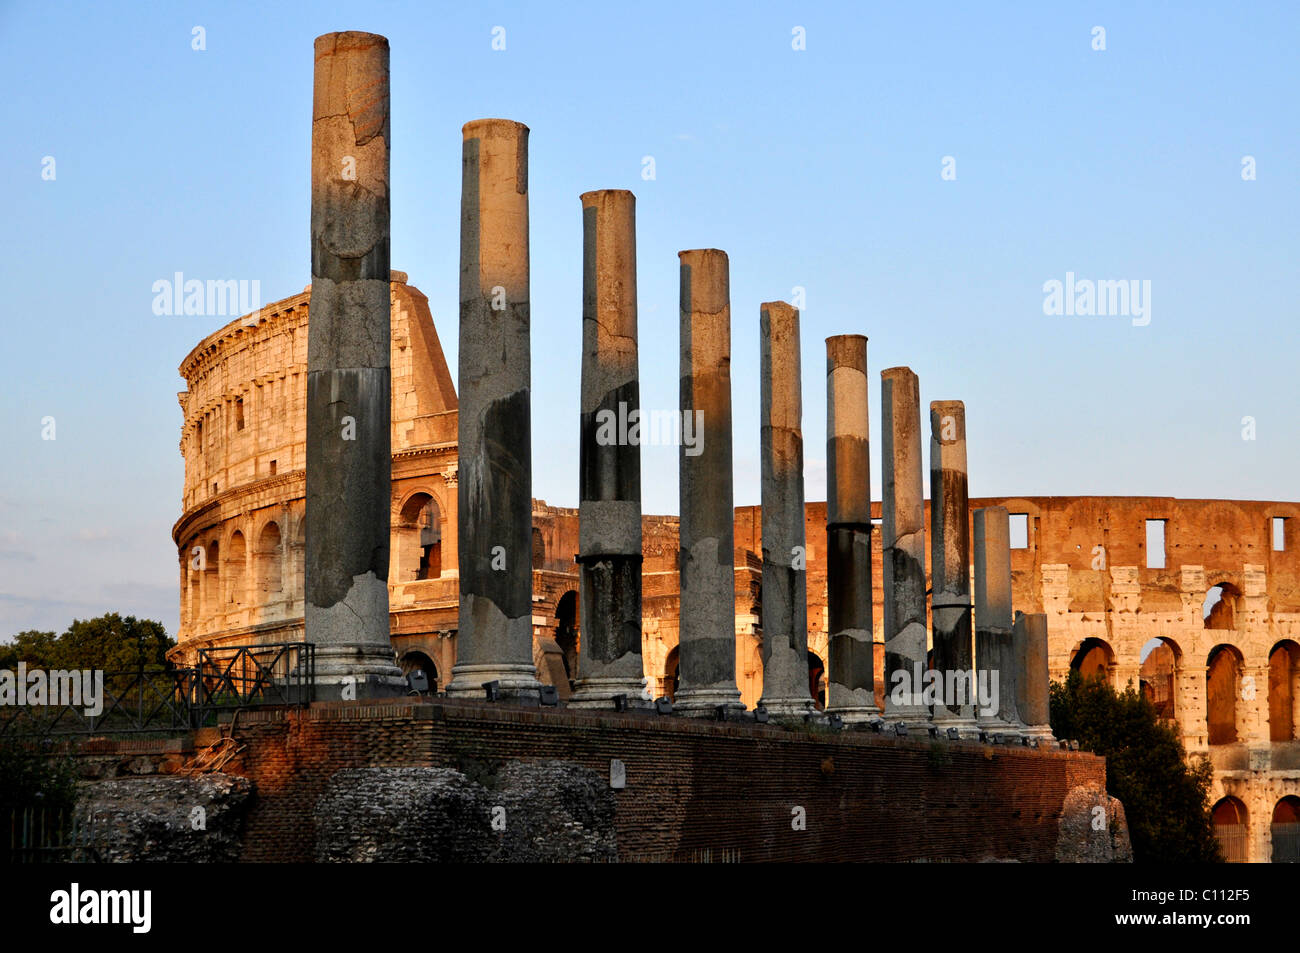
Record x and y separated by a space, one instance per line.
785 556
609 458
349 463
1032 679
850 680
707 643
903 542
994 659
950 600
494 498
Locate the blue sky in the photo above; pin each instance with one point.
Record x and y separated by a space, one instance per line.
817 168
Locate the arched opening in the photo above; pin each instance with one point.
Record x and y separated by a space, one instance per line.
670 674
1093 657
1158 676
539 549
418 549
236 565
1286 831
1222 686
212 580
1230 828
1283 687
267 561
413 661
566 632
1222 601
817 680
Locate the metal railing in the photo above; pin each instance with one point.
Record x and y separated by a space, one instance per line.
33 835
171 700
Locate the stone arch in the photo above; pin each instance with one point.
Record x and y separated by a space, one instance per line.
1231 826
539 549
1286 831
267 562
1162 662
1223 669
1283 691
566 631
414 659
817 680
236 569
1222 606
1093 657
417 546
212 579
671 674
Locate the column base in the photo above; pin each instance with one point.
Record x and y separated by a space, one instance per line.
518 682
704 702
963 721
858 715
911 714
1041 732
782 708
356 670
598 693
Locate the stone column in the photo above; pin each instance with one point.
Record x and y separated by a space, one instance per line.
494 497
850 679
903 541
785 556
609 458
1032 681
994 659
950 599
707 643
349 463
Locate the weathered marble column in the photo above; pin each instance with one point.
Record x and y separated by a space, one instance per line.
950 600
707 641
903 542
785 556
609 458
1032 678
494 499
349 463
850 678
993 645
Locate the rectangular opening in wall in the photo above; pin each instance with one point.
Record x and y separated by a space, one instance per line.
1155 544
1279 534
1019 530
272 468
239 413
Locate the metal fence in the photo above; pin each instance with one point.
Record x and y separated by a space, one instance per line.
1232 838
1286 843
169 700
41 836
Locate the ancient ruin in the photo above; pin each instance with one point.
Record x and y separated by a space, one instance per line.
717 610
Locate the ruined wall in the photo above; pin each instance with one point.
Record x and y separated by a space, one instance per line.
694 790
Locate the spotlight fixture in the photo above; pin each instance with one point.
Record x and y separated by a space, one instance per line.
664 705
417 682
550 696
954 734
493 690
620 703
760 715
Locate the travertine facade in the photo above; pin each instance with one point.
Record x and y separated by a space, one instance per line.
1228 677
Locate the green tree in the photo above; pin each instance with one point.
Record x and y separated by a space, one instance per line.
32 775
1166 800
109 643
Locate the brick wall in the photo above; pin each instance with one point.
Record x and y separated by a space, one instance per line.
695 790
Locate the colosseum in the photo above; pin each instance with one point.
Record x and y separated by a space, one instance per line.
1195 601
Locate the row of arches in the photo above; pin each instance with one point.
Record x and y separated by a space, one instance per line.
1232 828
1227 684
223 576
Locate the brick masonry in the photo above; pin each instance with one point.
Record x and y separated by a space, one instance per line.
695 790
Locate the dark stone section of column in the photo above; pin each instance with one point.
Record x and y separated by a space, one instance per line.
903 540
494 542
348 451
609 463
850 675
